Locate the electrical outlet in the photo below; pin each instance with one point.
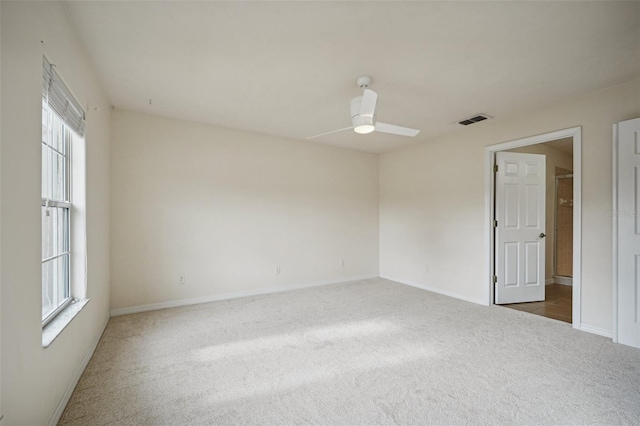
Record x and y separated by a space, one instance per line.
277 270
342 263
181 280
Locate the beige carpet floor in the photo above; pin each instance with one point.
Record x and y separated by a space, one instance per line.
364 353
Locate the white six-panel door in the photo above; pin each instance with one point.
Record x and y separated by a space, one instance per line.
628 232
519 238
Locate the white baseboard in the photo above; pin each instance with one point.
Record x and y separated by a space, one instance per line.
72 386
563 280
549 281
434 290
596 330
234 295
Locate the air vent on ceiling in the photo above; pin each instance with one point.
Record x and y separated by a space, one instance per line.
474 119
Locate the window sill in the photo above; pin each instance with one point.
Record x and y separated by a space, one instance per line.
52 330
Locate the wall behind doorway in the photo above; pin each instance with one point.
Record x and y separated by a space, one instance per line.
564 224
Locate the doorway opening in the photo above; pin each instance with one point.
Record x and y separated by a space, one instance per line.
538 273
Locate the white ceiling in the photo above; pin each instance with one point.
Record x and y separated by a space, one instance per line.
289 68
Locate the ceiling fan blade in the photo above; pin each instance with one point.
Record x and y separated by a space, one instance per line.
396 130
368 105
328 133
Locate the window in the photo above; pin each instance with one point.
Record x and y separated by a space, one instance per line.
56 206
62 120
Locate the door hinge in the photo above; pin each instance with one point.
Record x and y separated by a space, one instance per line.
495 168
495 223
495 279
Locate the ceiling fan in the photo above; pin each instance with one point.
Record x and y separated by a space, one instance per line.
363 115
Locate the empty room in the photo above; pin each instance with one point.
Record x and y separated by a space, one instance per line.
327 213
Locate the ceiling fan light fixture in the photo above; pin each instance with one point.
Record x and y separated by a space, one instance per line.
363 129
361 124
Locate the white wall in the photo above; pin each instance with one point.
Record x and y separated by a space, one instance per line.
34 380
432 199
554 158
225 207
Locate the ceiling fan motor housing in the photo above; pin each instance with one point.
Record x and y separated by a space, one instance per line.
361 124
356 118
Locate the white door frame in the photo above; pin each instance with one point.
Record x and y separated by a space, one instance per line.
489 192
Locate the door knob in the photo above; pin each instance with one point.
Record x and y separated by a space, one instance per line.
542 235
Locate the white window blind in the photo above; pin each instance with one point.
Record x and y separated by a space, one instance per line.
60 98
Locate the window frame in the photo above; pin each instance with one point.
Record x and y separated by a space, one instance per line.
54 154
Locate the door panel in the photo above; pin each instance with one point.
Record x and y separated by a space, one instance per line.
520 213
532 198
511 264
628 232
532 254
511 211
